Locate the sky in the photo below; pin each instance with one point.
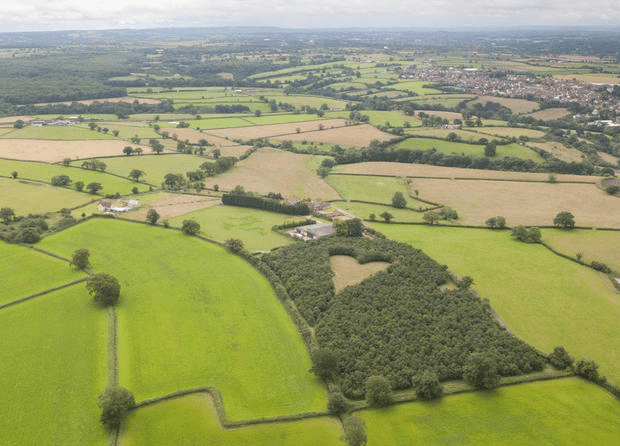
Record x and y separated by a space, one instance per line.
55 15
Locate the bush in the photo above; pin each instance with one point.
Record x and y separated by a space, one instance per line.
234 245
599 266
190 227
587 369
481 371
527 235
378 391
354 431
398 200
80 259
152 216
560 359
613 189
337 404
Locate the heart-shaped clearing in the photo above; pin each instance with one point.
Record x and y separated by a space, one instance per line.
347 271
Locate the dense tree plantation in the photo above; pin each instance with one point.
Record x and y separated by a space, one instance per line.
397 323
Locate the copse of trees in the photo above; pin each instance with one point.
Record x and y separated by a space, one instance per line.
398 323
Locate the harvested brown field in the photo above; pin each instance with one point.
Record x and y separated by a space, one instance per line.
560 151
550 114
424 170
589 79
271 130
517 106
172 205
52 151
12 119
521 203
602 246
272 170
348 272
113 100
608 158
355 135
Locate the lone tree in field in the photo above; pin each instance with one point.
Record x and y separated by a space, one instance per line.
398 200
378 391
564 220
152 216
115 403
94 187
481 371
80 259
79 186
190 227
135 174
104 288
386 216
354 431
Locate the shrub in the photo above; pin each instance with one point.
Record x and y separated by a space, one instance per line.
234 245
115 403
80 259
587 369
599 266
398 200
337 404
481 371
190 227
354 431
152 216
324 363
560 359
427 386
613 189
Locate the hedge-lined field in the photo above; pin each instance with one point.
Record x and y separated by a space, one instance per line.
544 299
192 420
68 133
155 167
45 172
251 226
602 246
53 364
561 412
26 197
26 272
192 315
369 188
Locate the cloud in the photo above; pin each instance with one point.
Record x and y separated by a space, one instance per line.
79 14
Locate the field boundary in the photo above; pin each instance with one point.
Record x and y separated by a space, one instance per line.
461 178
112 348
42 293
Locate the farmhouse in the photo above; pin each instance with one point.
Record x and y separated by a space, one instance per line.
317 230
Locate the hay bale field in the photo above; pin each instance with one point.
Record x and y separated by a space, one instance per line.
55 151
425 170
521 203
272 170
355 135
266 131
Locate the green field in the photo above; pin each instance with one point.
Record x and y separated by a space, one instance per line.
561 412
415 86
191 421
282 119
363 210
155 167
602 246
381 118
126 131
44 172
26 272
53 366
68 133
252 226
35 198
218 123
193 315
544 299
447 147
368 188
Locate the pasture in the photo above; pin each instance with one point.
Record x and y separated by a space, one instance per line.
543 299
380 118
55 151
355 135
191 420
560 151
69 133
414 86
26 197
550 114
368 188
44 172
251 226
155 167
363 210
602 246
512 132
53 367
424 170
128 130
468 134
559 412
272 170
169 205
347 271
521 203
26 272
192 315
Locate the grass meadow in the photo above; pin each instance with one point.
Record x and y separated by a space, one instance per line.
155 167
380 118
26 197
44 172
447 147
560 412
26 272
251 226
191 420
544 299
68 133
53 366
415 86
363 210
368 188
192 315
517 106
